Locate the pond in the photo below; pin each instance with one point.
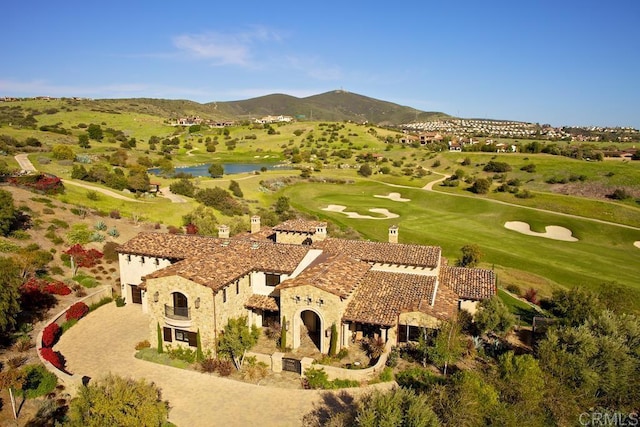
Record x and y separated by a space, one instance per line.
229 168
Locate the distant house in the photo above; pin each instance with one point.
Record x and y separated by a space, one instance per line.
455 146
298 276
274 119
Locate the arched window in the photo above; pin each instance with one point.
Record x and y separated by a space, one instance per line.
180 304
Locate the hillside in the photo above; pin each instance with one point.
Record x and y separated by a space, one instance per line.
336 105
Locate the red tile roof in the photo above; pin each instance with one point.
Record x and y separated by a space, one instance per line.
165 245
469 283
387 253
382 296
221 264
262 302
336 274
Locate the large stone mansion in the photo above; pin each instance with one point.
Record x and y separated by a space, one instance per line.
294 274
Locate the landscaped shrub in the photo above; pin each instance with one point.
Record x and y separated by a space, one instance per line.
418 379
143 344
514 289
50 335
208 365
16 362
57 288
224 367
23 344
318 379
253 370
120 303
531 295
53 357
103 301
181 353
77 311
38 381
68 324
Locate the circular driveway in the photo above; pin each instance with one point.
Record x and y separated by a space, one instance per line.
105 342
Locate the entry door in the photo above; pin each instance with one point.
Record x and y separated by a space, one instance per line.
136 294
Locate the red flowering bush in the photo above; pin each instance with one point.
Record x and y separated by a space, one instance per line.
57 288
53 357
50 335
77 311
33 285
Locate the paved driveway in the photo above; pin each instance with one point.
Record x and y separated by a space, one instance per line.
105 342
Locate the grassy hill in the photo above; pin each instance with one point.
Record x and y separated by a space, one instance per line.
336 105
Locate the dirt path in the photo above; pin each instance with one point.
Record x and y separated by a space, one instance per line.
175 198
101 190
25 163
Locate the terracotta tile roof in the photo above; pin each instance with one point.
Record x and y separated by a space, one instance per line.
299 226
381 252
262 302
225 262
165 245
265 233
337 274
469 283
382 296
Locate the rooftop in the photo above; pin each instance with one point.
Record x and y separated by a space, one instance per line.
469 283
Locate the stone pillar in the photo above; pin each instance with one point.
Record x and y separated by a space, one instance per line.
346 335
276 361
393 234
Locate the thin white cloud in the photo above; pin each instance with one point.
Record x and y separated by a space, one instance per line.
226 48
315 68
116 90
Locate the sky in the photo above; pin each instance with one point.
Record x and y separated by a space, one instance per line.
562 62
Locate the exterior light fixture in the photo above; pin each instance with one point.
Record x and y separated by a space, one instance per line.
287 325
156 296
197 303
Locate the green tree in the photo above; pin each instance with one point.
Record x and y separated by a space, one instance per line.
62 152
575 306
10 281
399 407
118 158
282 205
95 132
234 187
283 335
237 339
7 212
216 170
12 379
493 315
333 343
83 140
138 180
480 186
204 219
447 346
365 170
117 401
471 256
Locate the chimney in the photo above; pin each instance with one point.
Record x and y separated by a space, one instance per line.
393 234
321 231
223 231
255 224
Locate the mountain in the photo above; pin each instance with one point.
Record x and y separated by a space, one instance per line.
336 105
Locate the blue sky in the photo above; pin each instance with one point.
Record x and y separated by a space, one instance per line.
561 62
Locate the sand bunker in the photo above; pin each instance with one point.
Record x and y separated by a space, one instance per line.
392 196
637 244
551 231
341 209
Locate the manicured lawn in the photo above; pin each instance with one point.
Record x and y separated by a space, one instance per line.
604 252
522 310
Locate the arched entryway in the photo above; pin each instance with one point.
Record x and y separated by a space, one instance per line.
307 333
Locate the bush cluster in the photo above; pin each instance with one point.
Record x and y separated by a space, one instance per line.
53 357
50 335
77 311
318 379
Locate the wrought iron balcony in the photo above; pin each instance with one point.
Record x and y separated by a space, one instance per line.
177 313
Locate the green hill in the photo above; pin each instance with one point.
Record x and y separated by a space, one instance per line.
336 105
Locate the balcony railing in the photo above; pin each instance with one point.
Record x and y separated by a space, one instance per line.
177 313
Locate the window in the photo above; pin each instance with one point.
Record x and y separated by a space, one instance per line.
272 279
224 295
237 287
167 334
128 258
182 335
